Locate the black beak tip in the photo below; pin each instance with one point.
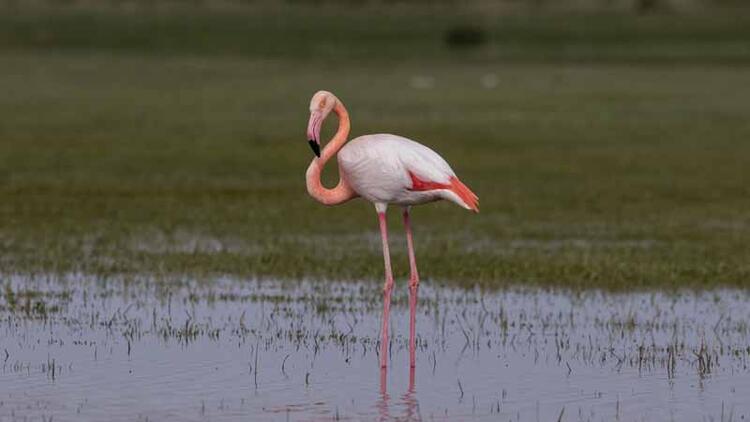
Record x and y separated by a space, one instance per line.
315 147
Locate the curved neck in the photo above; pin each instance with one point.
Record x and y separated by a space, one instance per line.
342 192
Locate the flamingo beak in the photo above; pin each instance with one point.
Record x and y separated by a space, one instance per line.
313 132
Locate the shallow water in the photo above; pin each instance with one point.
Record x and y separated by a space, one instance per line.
75 348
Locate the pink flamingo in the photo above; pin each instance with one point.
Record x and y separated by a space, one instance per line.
384 169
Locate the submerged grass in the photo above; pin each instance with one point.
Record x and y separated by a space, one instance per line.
629 173
651 332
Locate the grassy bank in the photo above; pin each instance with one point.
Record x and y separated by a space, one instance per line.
120 156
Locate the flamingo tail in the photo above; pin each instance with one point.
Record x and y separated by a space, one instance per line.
466 195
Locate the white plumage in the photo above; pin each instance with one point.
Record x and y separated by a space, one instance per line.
377 167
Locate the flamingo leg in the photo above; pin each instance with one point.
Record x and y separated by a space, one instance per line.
413 288
387 288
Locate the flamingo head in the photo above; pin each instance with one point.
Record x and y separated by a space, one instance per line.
321 105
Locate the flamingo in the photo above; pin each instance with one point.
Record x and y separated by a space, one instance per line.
383 169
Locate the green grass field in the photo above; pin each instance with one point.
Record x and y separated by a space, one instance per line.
612 152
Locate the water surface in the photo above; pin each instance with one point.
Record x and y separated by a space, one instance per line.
78 348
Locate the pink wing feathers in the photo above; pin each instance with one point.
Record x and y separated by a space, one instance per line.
454 185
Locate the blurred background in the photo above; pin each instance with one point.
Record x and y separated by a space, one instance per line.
607 139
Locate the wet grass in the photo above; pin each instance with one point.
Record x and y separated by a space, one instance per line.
650 332
610 168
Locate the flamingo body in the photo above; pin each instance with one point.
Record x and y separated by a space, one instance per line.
391 169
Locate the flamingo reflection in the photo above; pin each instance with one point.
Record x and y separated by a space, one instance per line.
406 409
